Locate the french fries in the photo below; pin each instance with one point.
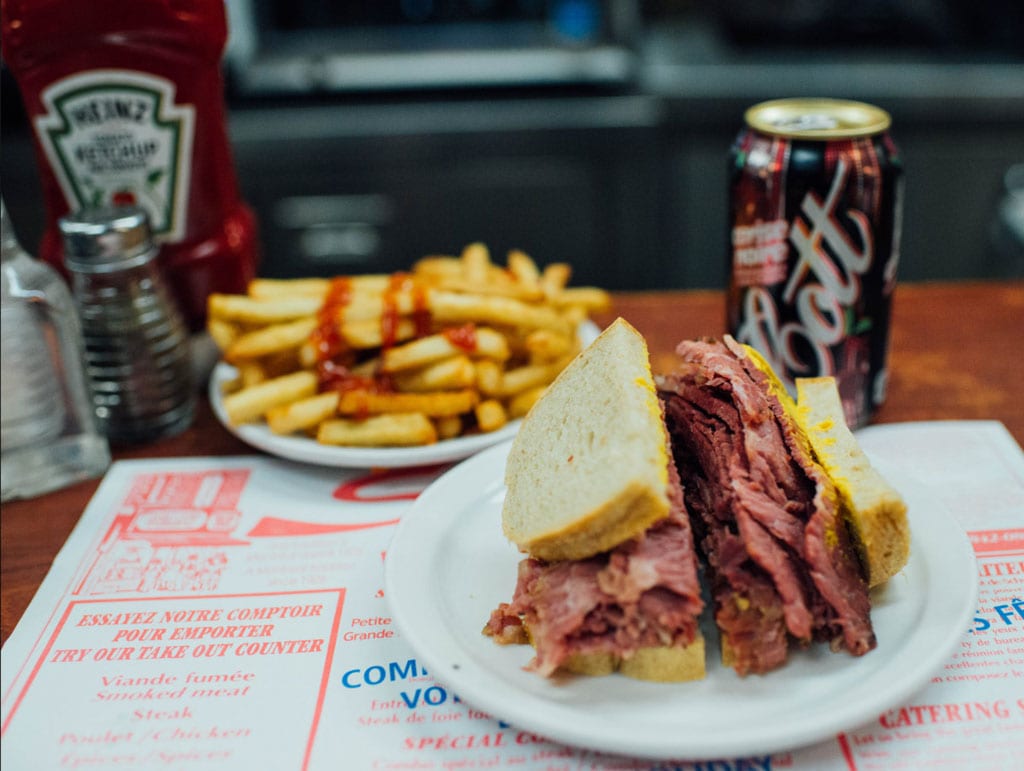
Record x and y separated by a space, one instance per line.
458 344
254 401
394 430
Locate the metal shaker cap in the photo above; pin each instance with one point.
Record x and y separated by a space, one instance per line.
107 238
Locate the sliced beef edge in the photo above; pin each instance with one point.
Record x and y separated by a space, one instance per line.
644 593
764 512
748 609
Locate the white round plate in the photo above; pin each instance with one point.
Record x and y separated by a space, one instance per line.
448 566
305 450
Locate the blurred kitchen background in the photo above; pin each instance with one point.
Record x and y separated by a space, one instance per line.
368 134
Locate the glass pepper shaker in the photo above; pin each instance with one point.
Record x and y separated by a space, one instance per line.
48 430
136 341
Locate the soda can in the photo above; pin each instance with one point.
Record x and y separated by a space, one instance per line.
816 199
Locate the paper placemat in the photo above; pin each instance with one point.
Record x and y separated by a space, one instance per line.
229 613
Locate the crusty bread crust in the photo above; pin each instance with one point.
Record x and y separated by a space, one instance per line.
628 514
667 665
876 513
588 468
873 510
660 665
591 664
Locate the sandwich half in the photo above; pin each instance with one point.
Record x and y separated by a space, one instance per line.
619 485
610 580
793 524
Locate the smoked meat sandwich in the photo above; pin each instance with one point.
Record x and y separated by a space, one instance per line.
617 482
793 523
593 498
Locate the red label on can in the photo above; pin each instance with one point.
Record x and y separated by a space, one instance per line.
760 253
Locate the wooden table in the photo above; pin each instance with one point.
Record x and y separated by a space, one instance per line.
957 353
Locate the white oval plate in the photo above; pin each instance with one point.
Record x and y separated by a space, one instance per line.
305 450
448 566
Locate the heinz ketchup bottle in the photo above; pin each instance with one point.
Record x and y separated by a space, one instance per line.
126 101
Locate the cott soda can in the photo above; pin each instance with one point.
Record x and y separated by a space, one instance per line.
816 196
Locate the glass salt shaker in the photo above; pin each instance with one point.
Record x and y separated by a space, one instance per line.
48 431
136 341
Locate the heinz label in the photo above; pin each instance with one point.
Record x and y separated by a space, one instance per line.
118 137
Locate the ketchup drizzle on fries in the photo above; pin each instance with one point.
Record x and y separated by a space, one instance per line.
463 337
421 317
389 316
456 344
333 376
326 337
